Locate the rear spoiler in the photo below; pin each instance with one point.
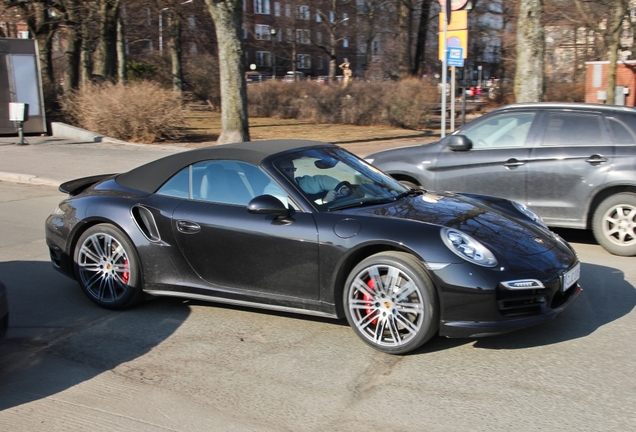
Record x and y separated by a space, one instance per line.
77 186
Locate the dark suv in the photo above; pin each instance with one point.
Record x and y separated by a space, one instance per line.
574 164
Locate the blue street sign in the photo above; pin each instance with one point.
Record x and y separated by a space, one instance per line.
455 56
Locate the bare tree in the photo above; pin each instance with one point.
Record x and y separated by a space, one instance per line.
105 60
228 18
529 78
417 68
373 19
608 24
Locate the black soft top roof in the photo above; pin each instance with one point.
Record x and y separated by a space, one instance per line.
149 177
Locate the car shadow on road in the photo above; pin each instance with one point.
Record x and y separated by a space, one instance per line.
58 338
606 297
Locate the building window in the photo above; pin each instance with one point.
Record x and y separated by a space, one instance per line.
303 36
263 58
332 16
244 31
318 16
302 13
345 19
23 34
375 47
194 49
149 16
320 62
319 37
261 7
287 10
597 75
303 61
261 32
289 35
345 43
192 22
277 9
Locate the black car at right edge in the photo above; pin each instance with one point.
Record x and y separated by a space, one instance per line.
574 164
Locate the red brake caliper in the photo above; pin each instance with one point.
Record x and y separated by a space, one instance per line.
368 298
125 275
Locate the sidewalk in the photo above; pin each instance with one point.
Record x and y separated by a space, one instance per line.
51 161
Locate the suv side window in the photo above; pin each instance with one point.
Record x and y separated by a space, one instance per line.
573 129
500 131
620 132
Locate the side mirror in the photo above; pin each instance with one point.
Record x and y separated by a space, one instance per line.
268 204
459 143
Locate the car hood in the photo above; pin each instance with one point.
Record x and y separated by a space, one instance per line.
502 230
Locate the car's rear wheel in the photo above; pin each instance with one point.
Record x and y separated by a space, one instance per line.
107 267
614 224
391 303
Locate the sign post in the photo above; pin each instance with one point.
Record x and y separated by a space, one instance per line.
455 58
453 47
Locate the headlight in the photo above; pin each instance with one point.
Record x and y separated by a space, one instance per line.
529 213
468 248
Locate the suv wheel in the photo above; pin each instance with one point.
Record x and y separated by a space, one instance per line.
614 224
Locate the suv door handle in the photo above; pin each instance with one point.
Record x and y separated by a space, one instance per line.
596 159
513 163
188 227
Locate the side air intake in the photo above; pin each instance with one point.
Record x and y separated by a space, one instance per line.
146 223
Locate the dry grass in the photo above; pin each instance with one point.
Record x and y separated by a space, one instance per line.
204 127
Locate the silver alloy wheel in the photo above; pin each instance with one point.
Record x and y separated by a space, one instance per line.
619 224
386 306
104 267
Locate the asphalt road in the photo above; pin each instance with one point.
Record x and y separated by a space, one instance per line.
175 365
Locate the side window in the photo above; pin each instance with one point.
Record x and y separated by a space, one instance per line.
228 182
571 129
178 186
222 181
620 132
505 130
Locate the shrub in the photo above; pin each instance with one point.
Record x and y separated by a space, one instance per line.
407 103
201 79
140 112
411 103
564 92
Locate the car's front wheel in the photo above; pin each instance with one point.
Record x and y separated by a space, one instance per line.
391 303
614 224
107 267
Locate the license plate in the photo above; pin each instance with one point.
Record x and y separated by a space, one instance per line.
571 277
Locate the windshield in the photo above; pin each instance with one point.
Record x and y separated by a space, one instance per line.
332 178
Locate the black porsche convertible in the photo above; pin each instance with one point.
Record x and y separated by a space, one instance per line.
307 227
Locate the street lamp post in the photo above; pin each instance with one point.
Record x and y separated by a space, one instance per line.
161 24
161 29
273 31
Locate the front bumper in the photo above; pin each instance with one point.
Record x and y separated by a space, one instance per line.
469 329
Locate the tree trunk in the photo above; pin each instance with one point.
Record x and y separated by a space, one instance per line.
420 48
174 30
106 62
121 52
530 52
73 47
405 25
228 16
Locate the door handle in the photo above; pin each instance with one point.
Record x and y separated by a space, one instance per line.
513 163
596 159
188 227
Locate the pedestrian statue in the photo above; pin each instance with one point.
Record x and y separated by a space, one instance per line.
346 71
